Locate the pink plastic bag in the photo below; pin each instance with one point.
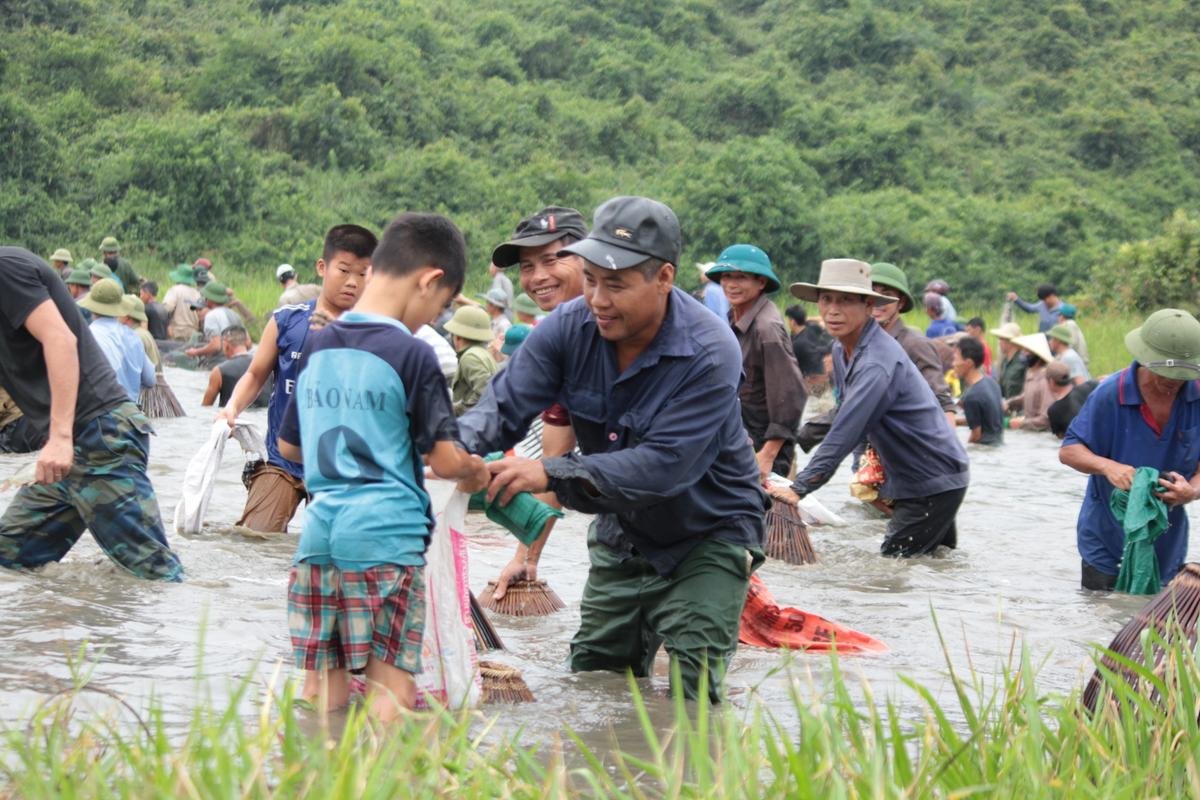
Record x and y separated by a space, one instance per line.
450 670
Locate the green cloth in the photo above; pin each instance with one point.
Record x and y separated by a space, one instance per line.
1143 514
524 517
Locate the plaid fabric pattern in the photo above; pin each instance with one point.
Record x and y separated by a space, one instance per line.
338 618
107 491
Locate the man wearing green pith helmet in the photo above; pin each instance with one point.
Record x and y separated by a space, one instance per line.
772 393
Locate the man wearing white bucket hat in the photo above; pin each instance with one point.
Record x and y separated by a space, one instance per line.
883 398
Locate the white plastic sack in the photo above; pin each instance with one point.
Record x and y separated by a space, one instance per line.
812 510
202 471
449 664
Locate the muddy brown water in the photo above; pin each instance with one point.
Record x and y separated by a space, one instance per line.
1013 579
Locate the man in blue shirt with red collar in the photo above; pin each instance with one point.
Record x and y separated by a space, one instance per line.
1147 415
650 378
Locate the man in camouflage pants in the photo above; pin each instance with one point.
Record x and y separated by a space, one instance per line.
91 470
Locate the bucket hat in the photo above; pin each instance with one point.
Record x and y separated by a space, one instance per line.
183 274
61 254
1060 332
104 299
471 323
109 244
1035 343
133 306
628 230
548 225
524 304
847 275
748 259
514 337
894 278
80 277
1167 344
98 270
215 292
496 297
1008 331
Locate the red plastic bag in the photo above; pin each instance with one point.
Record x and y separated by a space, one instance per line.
764 623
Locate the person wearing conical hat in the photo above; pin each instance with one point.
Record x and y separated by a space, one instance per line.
470 331
883 399
772 393
888 279
91 468
1146 415
1010 372
120 345
1033 402
181 302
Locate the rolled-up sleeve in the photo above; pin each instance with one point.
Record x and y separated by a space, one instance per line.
861 406
675 450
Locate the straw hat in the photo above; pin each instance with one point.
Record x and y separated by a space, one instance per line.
748 259
847 275
1167 344
61 254
1035 343
1008 331
104 299
471 323
133 307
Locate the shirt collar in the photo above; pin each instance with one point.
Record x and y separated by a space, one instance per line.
365 317
748 318
1128 393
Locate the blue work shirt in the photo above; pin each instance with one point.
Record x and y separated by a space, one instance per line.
715 299
1047 317
1111 424
126 355
940 327
883 398
662 442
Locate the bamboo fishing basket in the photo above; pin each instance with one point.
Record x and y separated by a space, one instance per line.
503 684
159 402
787 535
523 599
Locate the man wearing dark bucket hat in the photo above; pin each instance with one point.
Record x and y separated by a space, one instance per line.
91 468
772 393
1146 415
549 277
890 280
650 377
883 398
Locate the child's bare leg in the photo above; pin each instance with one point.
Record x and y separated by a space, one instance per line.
390 690
327 689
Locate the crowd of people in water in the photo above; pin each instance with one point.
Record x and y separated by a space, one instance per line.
663 413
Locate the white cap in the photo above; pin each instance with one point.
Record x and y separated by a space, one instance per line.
283 269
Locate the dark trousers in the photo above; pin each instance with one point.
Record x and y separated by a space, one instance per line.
629 611
1095 580
921 524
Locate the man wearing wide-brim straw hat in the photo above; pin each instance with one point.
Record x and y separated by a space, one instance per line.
890 280
1146 415
772 393
1034 401
1010 372
883 398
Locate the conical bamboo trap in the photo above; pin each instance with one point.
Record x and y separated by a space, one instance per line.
787 535
503 684
523 599
159 402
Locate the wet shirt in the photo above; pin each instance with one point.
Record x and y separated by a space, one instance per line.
369 401
882 397
156 319
665 462
1114 424
125 354
772 392
291 331
984 409
29 282
810 346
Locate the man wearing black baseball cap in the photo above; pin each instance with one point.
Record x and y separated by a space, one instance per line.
551 277
650 377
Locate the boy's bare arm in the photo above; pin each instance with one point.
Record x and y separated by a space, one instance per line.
448 460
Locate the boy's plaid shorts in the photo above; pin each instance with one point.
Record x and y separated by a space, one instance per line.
337 618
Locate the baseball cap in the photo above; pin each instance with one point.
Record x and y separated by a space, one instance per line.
284 269
628 230
548 225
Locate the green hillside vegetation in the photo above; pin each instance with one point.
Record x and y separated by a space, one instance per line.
996 144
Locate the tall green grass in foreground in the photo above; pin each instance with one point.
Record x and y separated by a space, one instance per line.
1006 740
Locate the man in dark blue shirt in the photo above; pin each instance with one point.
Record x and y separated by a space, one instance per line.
883 398
650 377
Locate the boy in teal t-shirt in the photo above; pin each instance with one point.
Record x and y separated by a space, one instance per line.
369 402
